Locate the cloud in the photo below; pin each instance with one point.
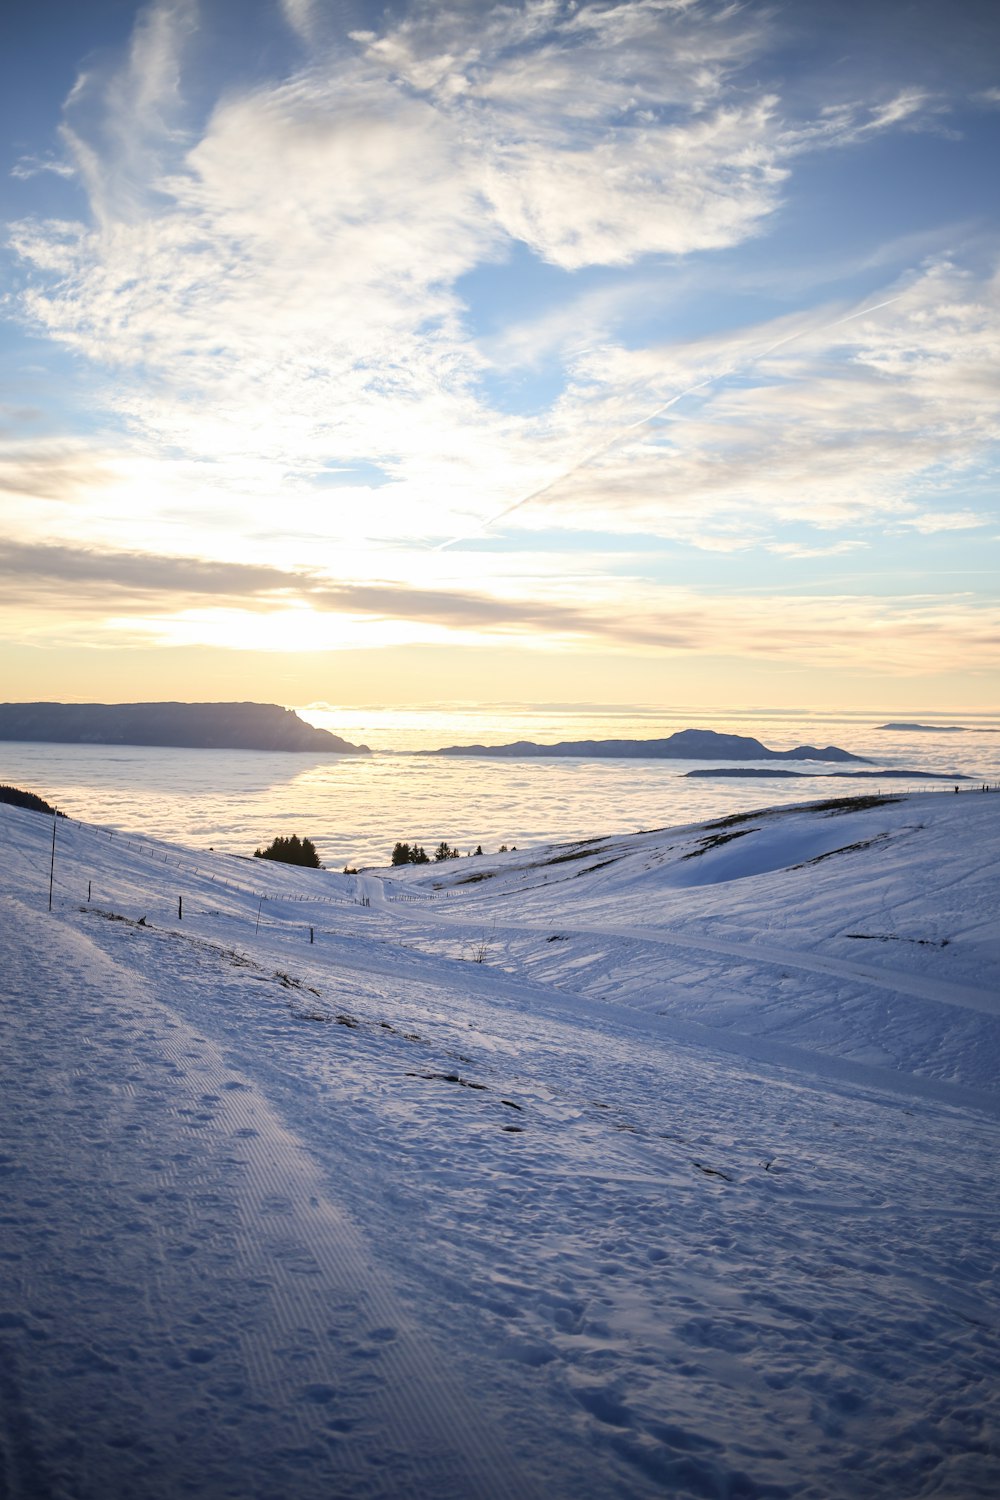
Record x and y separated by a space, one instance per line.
300 15
39 570
39 573
801 549
350 197
285 291
669 191
27 167
928 523
60 470
272 290
122 123
602 133
847 420
173 600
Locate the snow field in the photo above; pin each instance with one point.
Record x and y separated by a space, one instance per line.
582 1184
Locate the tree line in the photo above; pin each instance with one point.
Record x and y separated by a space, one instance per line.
296 851
416 854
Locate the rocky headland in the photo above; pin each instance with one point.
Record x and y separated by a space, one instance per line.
188 726
686 744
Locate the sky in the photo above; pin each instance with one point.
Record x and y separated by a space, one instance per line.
617 352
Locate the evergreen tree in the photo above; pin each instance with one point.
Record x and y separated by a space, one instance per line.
291 851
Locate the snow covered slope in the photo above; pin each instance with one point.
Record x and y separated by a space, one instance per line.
655 1165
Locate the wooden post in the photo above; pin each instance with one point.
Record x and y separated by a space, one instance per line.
180 908
88 891
51 866
310 934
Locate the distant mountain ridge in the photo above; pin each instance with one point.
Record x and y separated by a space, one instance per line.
188 726
926 728
686 744
895 775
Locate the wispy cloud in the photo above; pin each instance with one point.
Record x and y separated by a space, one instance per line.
603 133
57 564
59 470
122 124
27 167
187 600
929 522
801 549
301 17
849 417
273 290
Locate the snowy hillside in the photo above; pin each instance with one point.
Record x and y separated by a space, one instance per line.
660 1165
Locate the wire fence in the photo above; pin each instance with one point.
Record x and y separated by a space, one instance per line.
284 909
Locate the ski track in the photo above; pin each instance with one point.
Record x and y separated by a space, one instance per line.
652 1008
296 1373
962 996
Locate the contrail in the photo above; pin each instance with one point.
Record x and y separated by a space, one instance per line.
622 432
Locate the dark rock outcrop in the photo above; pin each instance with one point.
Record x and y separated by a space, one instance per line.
195 726
926 728
686 744
898 775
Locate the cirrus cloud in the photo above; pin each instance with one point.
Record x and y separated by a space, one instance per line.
287 303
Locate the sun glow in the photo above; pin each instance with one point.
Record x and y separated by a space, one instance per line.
588 335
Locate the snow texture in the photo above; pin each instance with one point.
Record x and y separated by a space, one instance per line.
653 1165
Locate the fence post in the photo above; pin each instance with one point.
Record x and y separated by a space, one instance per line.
180 908
310 934
52 862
